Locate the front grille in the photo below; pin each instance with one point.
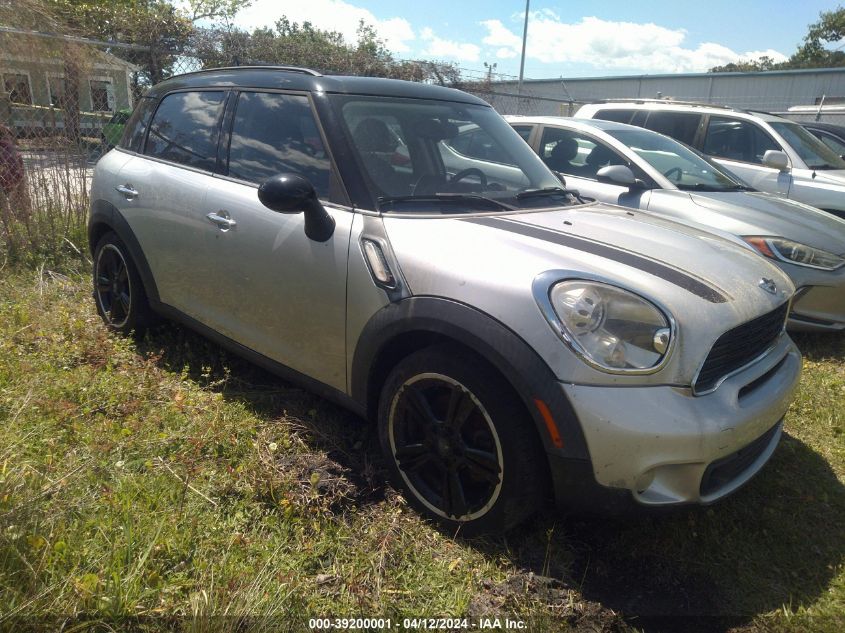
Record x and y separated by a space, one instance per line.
723 471
739 346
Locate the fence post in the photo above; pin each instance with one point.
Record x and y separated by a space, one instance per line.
5 109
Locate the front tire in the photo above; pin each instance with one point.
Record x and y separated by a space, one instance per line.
459 442
118 291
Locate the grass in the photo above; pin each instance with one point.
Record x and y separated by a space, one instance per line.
162 480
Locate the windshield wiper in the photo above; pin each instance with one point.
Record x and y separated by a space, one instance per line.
700 186
546 191
444 197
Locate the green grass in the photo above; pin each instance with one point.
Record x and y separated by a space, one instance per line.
163 477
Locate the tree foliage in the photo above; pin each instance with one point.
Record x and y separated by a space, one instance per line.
812 53
293 44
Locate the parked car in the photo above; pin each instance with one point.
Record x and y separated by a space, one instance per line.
506 339
768 152
633 167
113 129
830 134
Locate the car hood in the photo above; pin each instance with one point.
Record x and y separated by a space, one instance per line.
707 283
756 213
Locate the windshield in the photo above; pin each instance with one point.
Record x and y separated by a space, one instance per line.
812 151
420 156
680 165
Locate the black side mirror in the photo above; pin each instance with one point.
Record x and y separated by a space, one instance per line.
292 193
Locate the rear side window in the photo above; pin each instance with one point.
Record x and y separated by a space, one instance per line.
620 116
524 131
274 133
735 139
185 129
136 127
831 141
477 143
681 126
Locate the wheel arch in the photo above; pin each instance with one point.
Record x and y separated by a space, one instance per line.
106 217
412 324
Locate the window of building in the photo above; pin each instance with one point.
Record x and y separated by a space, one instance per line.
16 84
102 96
58 90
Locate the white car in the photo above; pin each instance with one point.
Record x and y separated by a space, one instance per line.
768 152
632 167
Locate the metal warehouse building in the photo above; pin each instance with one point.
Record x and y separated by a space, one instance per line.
771 91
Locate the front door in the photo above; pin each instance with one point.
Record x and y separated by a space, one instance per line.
739 146
578 157
279 293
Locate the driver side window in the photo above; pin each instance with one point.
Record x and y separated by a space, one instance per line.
274 133
574 154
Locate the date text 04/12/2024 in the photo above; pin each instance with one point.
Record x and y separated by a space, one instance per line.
387 624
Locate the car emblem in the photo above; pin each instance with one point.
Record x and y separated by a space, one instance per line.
768 285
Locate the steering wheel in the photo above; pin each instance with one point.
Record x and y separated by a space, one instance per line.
679 171
472 171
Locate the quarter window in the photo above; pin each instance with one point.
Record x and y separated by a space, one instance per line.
275 133
136 127
735 139
681 126
185 129
524 131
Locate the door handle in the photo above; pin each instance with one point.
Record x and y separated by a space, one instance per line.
223 222
127 190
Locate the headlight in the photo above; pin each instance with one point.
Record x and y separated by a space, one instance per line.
613 329
795 253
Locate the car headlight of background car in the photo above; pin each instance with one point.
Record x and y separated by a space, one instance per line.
795 253
612 329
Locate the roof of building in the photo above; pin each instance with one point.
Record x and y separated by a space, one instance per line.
761 73
286 77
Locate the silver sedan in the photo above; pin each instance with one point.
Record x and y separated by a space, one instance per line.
638 168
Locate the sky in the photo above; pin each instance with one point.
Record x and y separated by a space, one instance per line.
612 37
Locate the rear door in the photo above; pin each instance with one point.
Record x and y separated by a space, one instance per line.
739 145
278 292
164 190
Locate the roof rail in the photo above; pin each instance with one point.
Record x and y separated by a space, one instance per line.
253 66
669 102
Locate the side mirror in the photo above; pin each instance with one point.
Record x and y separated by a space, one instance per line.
291 193
776 159
617 175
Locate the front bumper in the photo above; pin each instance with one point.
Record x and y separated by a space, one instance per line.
664 446
819 302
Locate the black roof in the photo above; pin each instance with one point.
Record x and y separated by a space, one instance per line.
285 77
828 127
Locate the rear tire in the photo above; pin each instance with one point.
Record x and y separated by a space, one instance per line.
118 291
459 442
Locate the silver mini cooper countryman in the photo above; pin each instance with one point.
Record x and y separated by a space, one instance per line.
512 342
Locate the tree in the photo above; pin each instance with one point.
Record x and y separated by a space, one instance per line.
811 54
293 44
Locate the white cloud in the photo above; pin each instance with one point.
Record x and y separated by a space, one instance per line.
614 45
331 15
438 48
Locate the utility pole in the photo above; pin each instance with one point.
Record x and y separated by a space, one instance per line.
524 40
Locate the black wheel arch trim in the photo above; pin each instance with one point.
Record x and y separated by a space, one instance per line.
524 369
105 215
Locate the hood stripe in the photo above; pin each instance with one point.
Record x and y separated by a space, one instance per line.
672 275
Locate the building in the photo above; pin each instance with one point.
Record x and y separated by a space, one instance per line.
34 83
771 91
